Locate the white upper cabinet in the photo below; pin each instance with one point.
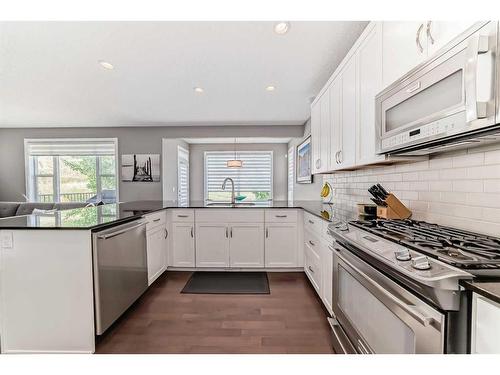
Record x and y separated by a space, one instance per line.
347 155
335 122
316 137
320 133
369 85
404 47
439 33
343 119
325 132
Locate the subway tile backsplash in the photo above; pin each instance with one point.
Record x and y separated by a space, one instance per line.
460 189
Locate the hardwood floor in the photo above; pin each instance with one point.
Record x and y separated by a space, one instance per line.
289 320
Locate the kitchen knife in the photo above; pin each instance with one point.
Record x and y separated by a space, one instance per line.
379 202
383 191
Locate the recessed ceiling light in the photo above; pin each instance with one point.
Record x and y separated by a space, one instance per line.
106 65
270 88
198 89
281 27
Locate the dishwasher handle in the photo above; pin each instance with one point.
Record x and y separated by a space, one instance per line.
121 231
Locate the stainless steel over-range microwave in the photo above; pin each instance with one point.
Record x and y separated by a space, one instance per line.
448 102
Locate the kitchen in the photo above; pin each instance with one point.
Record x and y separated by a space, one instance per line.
366 223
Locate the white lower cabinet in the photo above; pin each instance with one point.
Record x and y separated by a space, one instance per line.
246 245
312 267
281 245
156 252
485 325
212 245
318 261
327 277
182 245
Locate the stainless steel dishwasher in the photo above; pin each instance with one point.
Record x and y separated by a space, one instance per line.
120 270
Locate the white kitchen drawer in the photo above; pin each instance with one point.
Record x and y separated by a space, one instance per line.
312 239
312 267
281 215
313 223
155 219
230 215
182 215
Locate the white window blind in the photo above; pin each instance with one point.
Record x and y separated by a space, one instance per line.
254 179
182 176
291 164
69 147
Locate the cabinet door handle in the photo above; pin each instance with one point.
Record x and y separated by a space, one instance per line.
340 157
310 221
156 220
417 38
166 232
310 269
231 232
281 216
267 233
192 232
312 243
318 163
428 30
226 233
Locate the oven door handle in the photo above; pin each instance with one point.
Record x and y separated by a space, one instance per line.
477 45
409 309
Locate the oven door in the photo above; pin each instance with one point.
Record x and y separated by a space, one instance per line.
451 94
377 314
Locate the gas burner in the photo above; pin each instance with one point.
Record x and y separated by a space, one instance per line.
458 247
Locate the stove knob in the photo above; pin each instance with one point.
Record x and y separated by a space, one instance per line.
421 263
403 255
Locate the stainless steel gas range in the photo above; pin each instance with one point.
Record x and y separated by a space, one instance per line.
396 285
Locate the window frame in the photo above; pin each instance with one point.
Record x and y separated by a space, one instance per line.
30 183
231 153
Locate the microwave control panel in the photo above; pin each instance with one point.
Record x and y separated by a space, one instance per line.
435 129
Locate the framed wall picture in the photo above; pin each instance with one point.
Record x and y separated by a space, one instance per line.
141 167
304 158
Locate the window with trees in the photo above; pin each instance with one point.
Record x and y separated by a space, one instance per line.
71 170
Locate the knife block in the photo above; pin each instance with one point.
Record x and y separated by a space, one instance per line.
394 209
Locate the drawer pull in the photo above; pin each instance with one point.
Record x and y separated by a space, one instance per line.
156 220
281 215
312 243
182 215
310 269
166 232
311 222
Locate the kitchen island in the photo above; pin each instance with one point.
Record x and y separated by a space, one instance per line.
48 267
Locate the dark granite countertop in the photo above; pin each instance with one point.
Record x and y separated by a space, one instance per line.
487 288
99 217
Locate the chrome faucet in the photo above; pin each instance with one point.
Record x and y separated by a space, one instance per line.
233 199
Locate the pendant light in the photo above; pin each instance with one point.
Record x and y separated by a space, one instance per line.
234 163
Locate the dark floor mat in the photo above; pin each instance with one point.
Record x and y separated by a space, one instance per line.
227 283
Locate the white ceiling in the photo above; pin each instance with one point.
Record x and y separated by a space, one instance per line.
238 140
49 75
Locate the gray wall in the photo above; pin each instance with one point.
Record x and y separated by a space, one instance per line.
197 170
130 140
306 191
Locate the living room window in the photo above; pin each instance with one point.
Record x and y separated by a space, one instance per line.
253 180
71 170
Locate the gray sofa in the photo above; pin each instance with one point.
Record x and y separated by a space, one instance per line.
26 208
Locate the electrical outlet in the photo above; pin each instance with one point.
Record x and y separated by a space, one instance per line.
6 240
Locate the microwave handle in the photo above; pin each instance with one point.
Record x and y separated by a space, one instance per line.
477 45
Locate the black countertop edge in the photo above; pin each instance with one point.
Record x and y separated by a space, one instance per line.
489 288
136 209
